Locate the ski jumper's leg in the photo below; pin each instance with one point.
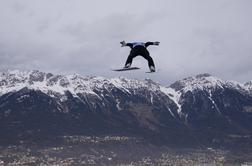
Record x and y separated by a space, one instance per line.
147 56
129 59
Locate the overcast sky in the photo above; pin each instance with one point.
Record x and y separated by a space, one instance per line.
81 36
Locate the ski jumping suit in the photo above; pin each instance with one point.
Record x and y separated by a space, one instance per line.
140 48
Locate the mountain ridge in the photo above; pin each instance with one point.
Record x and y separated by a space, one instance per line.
14 80
196 107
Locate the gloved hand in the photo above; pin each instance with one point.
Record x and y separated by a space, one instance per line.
156 43
123 43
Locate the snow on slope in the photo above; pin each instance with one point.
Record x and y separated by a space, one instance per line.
205 82
248 86
14 80
174 95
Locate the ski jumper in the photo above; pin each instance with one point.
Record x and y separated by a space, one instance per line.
139 48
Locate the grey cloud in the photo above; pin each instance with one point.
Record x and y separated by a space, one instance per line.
83 37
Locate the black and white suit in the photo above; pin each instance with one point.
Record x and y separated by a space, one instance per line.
139 48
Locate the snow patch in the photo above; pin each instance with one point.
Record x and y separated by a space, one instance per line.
205 82
174 95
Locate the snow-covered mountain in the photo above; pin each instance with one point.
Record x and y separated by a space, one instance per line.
206 82
73 103
248 86
58 85
14 80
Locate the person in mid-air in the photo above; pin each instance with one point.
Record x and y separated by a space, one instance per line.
139 48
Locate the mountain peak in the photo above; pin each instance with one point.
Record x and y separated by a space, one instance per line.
204 82
248 85
200 81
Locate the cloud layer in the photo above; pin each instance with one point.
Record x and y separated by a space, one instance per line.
83 37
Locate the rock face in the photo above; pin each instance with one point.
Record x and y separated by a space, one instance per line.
196 110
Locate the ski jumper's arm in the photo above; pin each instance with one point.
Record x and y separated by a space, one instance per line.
129 45
151 43
126 44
